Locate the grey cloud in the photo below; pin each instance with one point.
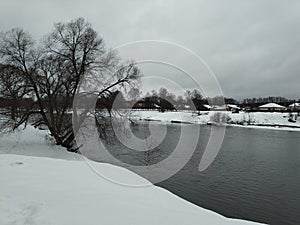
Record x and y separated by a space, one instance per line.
251 45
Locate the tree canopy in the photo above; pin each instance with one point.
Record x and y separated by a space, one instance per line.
51 72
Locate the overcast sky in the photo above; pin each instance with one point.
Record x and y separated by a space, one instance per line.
253 46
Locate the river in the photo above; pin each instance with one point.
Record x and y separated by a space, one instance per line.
255 176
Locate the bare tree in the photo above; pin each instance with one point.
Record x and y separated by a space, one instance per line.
180 102
167 99
54 70
12 89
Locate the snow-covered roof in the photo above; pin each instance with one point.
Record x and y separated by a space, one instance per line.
219 106
271 105
296 104
207 106
233 106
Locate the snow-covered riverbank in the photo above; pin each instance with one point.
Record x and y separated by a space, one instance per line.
59 188
251 120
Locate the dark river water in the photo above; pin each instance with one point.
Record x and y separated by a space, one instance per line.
255 176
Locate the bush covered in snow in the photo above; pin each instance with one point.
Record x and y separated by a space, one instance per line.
220 118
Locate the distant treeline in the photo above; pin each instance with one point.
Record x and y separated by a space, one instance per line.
159 100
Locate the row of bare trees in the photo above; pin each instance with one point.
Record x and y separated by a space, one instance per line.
50 72
167 100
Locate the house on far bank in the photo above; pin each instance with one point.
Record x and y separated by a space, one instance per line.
219 108
227 107
187 107
207 107
233 108
295 106
272 107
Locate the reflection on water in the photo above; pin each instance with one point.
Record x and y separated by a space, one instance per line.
256 175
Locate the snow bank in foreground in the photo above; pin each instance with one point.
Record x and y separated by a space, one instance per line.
33 142
36 190
52 191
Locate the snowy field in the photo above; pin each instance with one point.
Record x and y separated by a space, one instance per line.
264 120
59 188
